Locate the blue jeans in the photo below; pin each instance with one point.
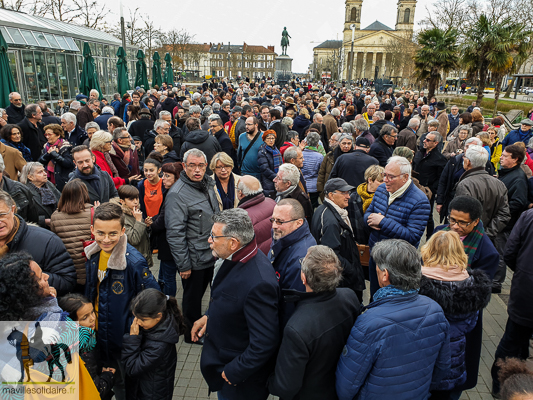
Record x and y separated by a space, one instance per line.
167 277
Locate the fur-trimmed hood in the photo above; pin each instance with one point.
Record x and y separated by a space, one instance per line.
459 297
117 260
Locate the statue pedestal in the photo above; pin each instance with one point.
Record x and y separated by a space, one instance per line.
283 73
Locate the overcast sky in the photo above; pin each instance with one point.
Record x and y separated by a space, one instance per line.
236 21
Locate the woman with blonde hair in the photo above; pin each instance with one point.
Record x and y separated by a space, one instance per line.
226 181
461 294
101 144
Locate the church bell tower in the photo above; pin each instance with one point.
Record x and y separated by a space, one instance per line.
405 19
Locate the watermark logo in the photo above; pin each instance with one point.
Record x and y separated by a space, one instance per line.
39 360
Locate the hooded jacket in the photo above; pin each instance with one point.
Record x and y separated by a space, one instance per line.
204 141
127 274
189 207
150 360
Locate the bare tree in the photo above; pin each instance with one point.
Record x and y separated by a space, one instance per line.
401 51
91 13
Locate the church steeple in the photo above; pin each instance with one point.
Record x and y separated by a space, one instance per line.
353 14
405 20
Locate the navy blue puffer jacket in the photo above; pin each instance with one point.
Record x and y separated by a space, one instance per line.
406 218
397 348
461 302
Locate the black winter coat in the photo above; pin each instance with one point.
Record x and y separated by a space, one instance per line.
226 145
265 162
77 137
429 168
375 128
281 133
63 164
204 141
300 125
150 360
170 157
22 196
32 137
330 230
313 340
159 233
107 187
44 212
15 114
352 166
140 127
515 181
518 254
51 255
381 151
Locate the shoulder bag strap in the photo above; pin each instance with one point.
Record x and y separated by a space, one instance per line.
249 147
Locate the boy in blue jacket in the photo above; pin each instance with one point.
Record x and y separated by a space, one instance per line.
116 273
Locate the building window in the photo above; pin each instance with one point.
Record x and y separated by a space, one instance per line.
239 64
255 65
353 16
406 16
220 63
220 73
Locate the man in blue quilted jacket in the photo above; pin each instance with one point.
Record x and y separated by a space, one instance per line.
399 210
400 346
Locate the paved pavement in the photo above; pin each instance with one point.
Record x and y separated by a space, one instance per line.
190 384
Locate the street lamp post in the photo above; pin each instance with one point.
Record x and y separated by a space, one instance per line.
352 27
122 30
229 52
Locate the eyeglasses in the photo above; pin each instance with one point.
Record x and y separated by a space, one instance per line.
223 168
393 136
342 193
196 166
390 177
4 216
279 222
429 140
124 137
462 224
102 235
213 237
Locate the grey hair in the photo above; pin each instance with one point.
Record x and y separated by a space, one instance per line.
2 112
361 125
312 139
2 165
30 110
403 163
438 136
380 114
290 154
290 173
387 129
215 117
216 107
477 156
346 136
207 111
90 125
194 153
434 123
7 199
195 109
316 115
322 269
413 122
402 261
94 91
292 134
530 144
12 94
475 140
237 224
118 131
108 110
160 123
348 128
336 136
287 121
70 117
465 128
246 191
335 112
28 170
161 113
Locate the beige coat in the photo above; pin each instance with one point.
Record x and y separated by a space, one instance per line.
13 161
73 229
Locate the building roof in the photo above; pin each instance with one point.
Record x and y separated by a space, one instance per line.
224 48
377 26
330 44
17 19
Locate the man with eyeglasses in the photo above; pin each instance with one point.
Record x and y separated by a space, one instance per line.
429 164
291 238
197 138
125 156
399 210
465 214
522 134
15 110
331 227
383 147
189 206
240 327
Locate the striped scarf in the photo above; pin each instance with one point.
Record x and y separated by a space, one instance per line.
232 134
471 241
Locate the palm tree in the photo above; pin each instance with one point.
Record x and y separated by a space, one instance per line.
492 46
437 54
512 49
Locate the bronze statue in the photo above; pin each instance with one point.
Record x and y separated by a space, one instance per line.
284 41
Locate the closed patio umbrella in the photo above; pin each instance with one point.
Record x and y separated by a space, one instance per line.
122 70
141 78
8 83
156 70
89 79
169 72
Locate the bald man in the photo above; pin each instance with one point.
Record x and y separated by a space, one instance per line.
259 208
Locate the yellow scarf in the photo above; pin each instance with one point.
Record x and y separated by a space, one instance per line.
362 191
232 134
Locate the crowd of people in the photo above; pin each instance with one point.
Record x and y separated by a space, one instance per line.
285 201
